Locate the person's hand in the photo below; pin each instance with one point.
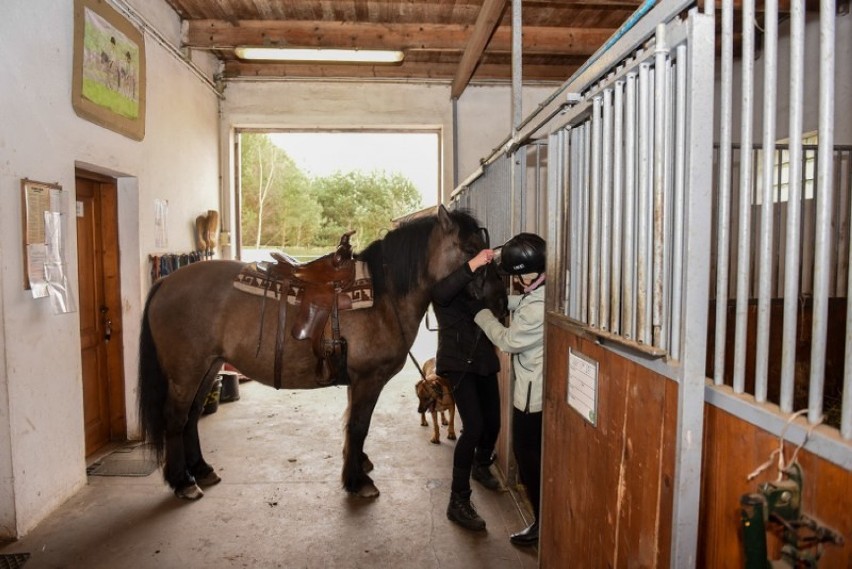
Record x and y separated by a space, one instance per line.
481 259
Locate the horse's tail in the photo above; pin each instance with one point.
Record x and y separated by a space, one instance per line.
153 385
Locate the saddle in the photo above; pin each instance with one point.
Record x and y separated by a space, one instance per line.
322 281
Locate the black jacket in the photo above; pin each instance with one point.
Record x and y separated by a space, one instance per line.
462 346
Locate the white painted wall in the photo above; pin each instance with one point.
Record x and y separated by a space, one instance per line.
41 422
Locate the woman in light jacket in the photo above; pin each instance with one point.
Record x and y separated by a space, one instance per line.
524 257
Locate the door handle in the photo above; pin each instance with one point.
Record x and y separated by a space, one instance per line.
107 324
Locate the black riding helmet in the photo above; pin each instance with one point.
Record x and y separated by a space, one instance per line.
523 254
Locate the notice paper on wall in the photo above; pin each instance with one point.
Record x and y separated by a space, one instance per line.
38 199
583 385
55 271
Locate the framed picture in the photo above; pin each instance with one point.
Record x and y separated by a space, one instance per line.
108 85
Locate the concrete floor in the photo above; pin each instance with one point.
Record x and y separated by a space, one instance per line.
280 503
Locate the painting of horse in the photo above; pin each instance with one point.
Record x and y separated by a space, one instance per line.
195 320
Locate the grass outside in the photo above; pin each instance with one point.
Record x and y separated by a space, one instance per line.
106 97
253 254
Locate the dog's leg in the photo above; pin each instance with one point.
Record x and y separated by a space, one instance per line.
423 422
451 430
443 417
436 438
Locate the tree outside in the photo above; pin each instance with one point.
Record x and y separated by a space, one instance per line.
282 208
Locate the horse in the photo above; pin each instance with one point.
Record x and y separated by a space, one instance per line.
194 320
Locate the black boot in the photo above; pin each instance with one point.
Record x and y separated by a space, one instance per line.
481 471
528 536
461 511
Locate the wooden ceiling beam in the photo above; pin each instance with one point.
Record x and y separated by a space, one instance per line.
486 23
219 34
415 71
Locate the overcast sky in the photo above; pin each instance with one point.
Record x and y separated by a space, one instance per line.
413 155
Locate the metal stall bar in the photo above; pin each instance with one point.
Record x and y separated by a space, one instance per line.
558 261
628 294
594 217
668 203
617 178
658 206
643 325
540 188
824 195
699 165
744 243
584 216
846 405
573 203
606 207
794 207
723 222
678 201
770 70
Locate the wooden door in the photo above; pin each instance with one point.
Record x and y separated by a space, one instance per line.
100 311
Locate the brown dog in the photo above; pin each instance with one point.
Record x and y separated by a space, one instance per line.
436 396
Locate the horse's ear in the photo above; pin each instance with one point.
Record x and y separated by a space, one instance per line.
444 218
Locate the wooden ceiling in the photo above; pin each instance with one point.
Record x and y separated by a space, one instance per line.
453 41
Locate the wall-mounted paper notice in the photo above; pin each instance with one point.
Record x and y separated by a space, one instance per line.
161 218
583 385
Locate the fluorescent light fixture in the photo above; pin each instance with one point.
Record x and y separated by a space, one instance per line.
319 54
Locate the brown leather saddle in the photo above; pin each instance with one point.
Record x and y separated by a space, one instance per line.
322 281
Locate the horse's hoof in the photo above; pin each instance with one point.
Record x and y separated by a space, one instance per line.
209 479
367 465
191 492
368 491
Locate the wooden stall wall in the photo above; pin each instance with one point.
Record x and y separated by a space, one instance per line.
733 449
505 460
607 492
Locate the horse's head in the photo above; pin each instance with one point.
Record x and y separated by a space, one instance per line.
455 240
423 251
459 237
488 286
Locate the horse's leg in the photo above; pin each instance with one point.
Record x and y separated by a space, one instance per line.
175 471
183 449
363 396
203 473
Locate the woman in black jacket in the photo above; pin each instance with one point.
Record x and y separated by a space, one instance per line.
466 357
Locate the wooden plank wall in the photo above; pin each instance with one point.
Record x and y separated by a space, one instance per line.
607 489
607 492
734 448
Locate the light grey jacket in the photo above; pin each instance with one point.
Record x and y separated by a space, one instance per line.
524 339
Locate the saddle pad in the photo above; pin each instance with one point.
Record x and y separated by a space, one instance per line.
253 280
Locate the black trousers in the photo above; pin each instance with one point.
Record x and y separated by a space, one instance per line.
526 443
478 402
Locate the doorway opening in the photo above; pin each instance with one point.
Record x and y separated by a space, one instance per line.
101 336
299 191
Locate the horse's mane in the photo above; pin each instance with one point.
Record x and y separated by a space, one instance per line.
405 249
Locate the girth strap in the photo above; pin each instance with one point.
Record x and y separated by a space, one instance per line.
279 334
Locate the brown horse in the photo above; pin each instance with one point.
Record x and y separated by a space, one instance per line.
194 320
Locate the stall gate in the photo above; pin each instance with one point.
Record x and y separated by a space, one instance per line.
629 178
667 388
